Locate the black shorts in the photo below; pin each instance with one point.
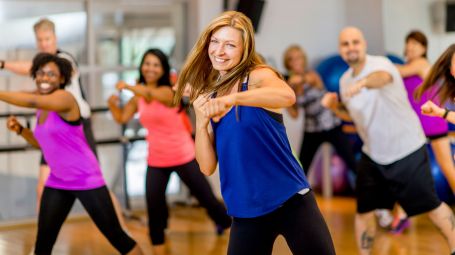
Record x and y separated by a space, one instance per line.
88 132
407 181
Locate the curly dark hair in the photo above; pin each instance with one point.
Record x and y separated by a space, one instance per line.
64 66
164 80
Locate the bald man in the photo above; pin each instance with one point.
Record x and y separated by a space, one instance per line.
394 166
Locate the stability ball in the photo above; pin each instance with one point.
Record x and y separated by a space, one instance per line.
330 70
441 185
338 171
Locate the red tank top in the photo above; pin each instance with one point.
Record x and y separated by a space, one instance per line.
169 141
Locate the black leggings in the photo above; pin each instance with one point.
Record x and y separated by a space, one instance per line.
298 220
155 188
56 205
335 136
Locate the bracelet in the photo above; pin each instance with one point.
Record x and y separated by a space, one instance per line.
2 64
21 128
446 112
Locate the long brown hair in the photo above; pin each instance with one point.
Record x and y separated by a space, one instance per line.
198 71
440 75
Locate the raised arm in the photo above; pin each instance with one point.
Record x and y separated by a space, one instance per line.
164 94
205 151
314 80
265 90
17 67
431 109
417 67
14 126
331 102
122 115
59 101
375 80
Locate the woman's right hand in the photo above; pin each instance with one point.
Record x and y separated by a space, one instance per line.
121 85
202 120
13 124
113 100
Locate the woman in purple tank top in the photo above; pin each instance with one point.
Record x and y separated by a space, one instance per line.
436 129
75 171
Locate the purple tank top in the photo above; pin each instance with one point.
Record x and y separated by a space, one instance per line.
431 125
73 164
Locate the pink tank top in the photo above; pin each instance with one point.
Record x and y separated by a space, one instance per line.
431 125
169 140
73 164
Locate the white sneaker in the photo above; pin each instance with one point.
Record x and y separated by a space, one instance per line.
385 217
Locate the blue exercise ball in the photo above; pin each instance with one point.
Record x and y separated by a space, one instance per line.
440 182
395 59
330 70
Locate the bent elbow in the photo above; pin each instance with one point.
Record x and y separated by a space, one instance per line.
289 99
207 169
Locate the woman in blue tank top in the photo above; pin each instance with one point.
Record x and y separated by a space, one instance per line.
238 102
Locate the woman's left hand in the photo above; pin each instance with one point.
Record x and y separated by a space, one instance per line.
218 107
431 109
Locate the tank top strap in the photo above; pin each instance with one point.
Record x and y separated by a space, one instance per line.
244 86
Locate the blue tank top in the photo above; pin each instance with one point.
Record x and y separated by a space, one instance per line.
258 171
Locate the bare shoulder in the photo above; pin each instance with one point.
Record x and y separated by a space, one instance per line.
63 94
263 75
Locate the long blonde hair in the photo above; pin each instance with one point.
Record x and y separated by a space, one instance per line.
198 71
287 56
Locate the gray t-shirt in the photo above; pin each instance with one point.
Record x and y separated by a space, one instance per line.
389 128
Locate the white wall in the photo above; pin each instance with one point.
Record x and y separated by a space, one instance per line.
404 15
314 24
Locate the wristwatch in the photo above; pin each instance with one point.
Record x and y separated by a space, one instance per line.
446 112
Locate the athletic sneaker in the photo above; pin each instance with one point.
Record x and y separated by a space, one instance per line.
400 225
385 218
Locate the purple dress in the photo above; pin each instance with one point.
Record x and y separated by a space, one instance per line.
73 164
432 126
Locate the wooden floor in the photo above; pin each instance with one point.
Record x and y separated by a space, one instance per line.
192 233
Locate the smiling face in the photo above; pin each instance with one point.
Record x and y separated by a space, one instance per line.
414 50
48 78
152 69
46 41
352 46
296 61
225 49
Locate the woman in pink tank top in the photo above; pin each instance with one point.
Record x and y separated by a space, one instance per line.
170 145
75 171
436 129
